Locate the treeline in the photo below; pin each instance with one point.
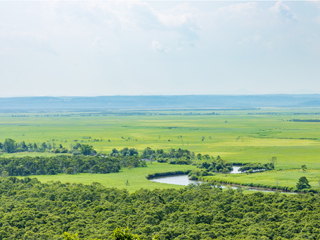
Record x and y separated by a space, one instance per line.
254 167
172 156
65 164
304 120
172 153
218 165
34 210
208 168
154 175
11 146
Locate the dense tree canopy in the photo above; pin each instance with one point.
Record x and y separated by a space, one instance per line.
58 164
249 167
86 149
160 154
11 146
32 210
218 165
25 166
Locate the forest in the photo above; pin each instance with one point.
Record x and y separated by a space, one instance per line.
63 164
30 209
86 163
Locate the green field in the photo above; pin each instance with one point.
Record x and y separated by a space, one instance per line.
135 176
238 136
288 178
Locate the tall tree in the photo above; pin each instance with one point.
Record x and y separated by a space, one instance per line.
86 149
9 145
303 183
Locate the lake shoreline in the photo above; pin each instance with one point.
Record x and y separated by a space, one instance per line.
163 175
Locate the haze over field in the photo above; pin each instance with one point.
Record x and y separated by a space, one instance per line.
88 48
186 102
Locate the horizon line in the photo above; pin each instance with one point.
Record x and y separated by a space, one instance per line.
161 95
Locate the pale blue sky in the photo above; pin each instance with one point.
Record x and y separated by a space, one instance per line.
88 48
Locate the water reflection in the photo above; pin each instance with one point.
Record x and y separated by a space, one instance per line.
185 181
235 170
177 179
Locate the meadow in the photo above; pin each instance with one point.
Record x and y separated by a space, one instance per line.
239 136
131 179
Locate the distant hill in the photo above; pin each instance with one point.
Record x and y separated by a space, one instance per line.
158 102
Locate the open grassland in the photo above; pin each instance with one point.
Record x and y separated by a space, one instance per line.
237 136
288 178
136 177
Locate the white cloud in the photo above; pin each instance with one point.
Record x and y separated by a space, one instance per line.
155 45
113 44
131 16
283 11
245 14
183 19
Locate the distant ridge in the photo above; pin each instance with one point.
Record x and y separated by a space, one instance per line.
158 102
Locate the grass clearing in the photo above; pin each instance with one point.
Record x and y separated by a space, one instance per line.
287 178
135 176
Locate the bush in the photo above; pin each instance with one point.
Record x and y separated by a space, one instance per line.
193 177
69 170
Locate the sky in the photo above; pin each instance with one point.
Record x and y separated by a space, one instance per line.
101 48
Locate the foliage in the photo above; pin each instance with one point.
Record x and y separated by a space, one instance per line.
149 176
69 170
70 236
118 234
58 164
218 165
196 173
125 152
180 161
86 149
124 234
33 210
249 167
11 146
160 154
303 183
274 160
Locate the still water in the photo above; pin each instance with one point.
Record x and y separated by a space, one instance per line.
235 170
184 180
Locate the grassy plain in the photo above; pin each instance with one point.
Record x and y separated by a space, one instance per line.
237 136
288 178
135 176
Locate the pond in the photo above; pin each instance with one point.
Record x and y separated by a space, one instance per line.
236 170
185 181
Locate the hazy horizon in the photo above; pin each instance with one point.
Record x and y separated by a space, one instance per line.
164 95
